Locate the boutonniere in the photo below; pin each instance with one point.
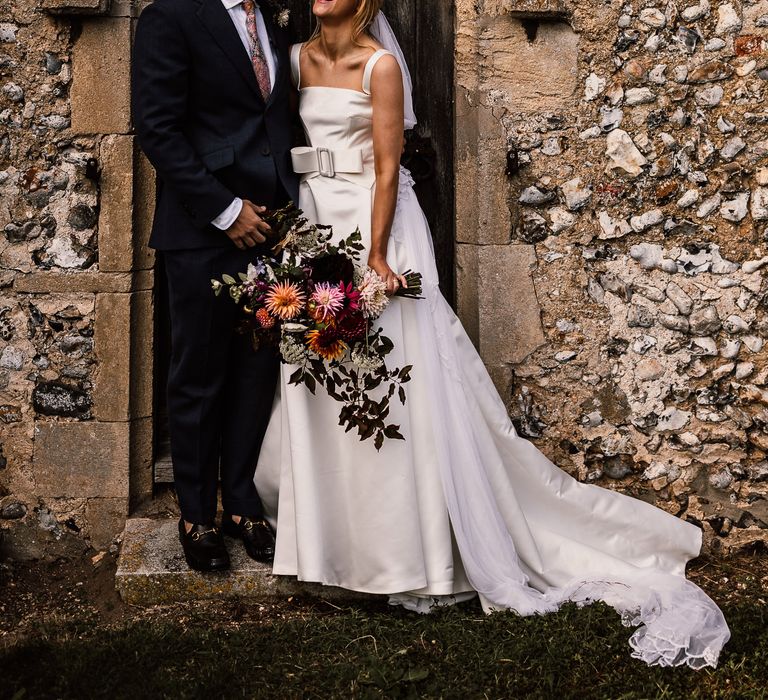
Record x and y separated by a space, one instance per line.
281 13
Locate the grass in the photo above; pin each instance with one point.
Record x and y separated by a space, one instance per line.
304 649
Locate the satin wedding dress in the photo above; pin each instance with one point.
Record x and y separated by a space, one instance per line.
464 504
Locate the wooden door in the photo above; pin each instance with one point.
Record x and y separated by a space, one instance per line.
425 31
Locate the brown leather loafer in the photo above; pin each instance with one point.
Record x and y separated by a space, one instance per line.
257 536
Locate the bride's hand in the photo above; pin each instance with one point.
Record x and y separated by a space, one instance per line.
391 278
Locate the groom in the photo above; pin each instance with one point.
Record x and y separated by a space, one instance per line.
211 106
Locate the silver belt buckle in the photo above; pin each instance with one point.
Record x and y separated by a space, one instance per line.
325 162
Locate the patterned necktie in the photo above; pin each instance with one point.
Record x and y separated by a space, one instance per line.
260 66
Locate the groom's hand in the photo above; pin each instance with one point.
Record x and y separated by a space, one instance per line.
249 228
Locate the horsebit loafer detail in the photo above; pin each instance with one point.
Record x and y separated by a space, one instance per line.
257 536
203 547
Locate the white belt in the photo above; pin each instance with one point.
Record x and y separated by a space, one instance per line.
327 161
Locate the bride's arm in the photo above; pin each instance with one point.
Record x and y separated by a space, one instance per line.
387 102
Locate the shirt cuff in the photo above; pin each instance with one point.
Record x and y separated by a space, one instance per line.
228 217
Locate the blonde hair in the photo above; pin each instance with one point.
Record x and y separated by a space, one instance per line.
366 12
364 16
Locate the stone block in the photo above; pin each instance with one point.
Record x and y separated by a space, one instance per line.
152 571
501 376
106 520
142 354
141 471
76 7
116 214
128 8
482 209
527 8
101 80
112 338
467 282
467 66
508 310
497 304
81 460
143 211
533 75
124 8
466 148
83 282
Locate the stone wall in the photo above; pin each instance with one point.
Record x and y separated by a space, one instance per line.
611 265
75 277
613 273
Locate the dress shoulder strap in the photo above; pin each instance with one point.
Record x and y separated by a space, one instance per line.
296 64
369 69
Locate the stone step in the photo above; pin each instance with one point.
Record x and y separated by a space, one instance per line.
151 571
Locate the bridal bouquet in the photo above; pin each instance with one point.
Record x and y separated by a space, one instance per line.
318 307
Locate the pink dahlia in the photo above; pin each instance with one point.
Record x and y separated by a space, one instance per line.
373 294
328 300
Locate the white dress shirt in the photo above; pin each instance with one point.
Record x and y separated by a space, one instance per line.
237 13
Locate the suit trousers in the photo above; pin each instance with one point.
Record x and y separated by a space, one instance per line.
220 390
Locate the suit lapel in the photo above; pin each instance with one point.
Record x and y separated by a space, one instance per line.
217 21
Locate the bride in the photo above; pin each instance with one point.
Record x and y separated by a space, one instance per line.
464 505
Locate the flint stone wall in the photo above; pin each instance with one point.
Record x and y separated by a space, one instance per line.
618 153
75 278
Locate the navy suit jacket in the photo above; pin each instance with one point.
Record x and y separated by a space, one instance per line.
201 119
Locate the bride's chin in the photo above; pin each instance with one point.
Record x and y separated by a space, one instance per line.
332 10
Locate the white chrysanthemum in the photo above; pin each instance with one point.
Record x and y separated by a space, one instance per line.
302 242
292 351
359 274
307 242
365 361
373 294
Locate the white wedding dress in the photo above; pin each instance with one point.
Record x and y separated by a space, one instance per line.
463 504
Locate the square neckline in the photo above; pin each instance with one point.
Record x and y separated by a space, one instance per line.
330 87
367 71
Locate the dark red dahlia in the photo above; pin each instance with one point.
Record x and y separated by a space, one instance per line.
352 326
351 298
